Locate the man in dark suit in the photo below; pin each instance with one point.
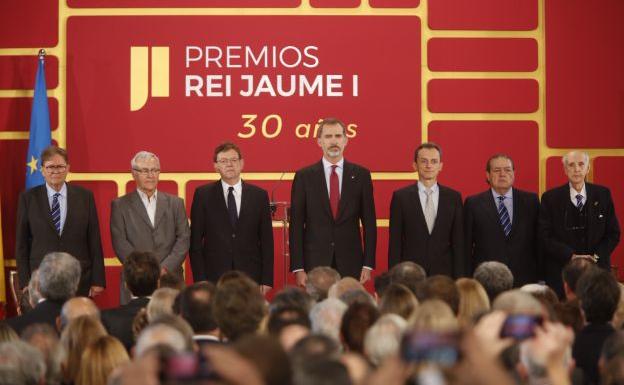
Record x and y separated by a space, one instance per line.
231 227
58 216
501 223
328 201
141 271
59 274
426 222
149 220
576 220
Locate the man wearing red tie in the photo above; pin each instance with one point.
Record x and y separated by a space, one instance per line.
328 201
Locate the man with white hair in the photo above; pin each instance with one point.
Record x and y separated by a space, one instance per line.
326 316
576 220
149 220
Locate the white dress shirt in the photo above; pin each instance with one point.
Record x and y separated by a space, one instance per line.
327 166
574 193
238 192
423 195
508 202
62 199
150 204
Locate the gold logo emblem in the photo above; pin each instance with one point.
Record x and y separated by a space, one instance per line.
140 71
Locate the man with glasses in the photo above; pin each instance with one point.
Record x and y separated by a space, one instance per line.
149 220
576 220
58 216
426 220
231 226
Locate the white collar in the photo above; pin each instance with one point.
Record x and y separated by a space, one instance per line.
574 193
423 188
52 191
237 187
144 197
508 194
327 164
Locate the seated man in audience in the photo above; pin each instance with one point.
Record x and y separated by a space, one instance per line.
495 277
59 275
320 279
194 304
599 295
325 317
45 338
572 273
141 271
440 287
21 363
74 308
409 274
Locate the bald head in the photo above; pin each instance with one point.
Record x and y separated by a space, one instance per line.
76 307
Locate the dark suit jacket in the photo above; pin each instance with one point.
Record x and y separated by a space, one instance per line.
587 347
316 238
36 235
216 247
44 313
131 229
118 321
442 251
486 240
603 230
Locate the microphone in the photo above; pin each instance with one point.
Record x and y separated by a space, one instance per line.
273 204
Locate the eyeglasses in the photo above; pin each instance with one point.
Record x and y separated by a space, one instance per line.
56 168
225 161
147 171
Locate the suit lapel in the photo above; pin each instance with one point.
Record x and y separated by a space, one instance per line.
42 197
348 182
245 200
71 201
139 208
322 188
517 209
443 208
161 205
591 204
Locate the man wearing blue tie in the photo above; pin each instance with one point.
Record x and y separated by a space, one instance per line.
58 216
577 220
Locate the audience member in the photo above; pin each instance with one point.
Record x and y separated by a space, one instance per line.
7 334
434 316
45 338
383 339
381 283
76 336
77 307
161 302
355 322
326 317
518 302
99 360
314 347
473 301
320 279
21 364
408 273
495 277
288 325
292 297
267 355
571 273
398 299
440 287
344 285
195 305
239 308
160 335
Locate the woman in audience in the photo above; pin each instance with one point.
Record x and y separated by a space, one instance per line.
473 300
99 359
78 334
398 299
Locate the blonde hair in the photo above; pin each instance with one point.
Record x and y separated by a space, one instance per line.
99 360
473 300
79 334
398 299
433 316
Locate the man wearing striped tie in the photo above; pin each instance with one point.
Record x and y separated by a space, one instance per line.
501 223
58 216
577 220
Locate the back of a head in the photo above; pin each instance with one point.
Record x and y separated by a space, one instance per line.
355 322
314 347
495 277
7 334
59 275
518 302
77 307
322 372
409 274
440 287
157 335
20 364
195 306
599 294
238 307
326 316
352 296
613 346
383 339
320 279
291 297
547 296
141 273
573 270
179 324
161 303
381 283
76 336
398 299
434 316
268 357
171 281
45 338
100 359
344 285
613 373
473 300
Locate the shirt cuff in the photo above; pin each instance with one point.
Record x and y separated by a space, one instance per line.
367 268
296 271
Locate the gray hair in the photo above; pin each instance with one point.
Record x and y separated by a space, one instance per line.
320 279
383 339
20 364
326 317
535 368
143 155
45 338
77 307
495 277
564 158
161 303
59 276
33 288
518 302
160 335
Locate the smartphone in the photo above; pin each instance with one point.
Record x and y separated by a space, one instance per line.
520 326
425 347
188 368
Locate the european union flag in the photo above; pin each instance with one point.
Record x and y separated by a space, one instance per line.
40 136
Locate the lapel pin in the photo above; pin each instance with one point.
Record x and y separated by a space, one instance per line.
352 176
595 203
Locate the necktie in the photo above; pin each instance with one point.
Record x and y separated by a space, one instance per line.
231 206
56 212
579 202
430 213
503 214
334 191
